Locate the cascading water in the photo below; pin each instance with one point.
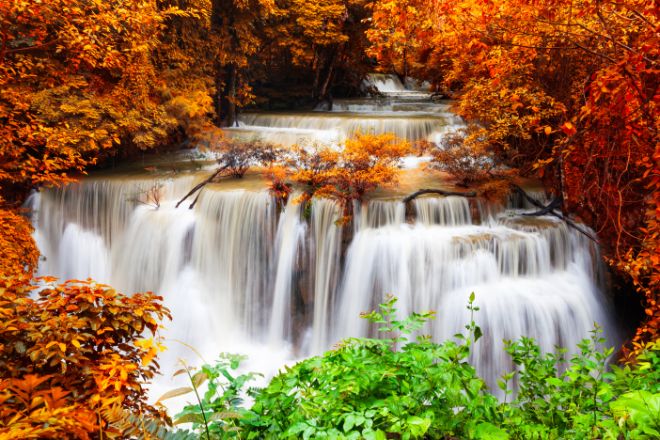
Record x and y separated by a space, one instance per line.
536 280
290 241
409 114
242 274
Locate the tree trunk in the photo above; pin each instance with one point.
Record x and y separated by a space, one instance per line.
228 96
226 76
324 91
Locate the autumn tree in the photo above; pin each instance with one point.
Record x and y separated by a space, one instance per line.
311 48
400 36
77 84
366 162
234 157
235 32
463 157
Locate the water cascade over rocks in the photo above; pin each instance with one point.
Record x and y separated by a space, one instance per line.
409 114
242 274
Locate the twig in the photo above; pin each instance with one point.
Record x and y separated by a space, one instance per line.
554 204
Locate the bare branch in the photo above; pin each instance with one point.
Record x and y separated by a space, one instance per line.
553 212
441 192
201 185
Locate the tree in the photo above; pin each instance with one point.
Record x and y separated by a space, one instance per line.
400 36
78 84
366 162
234 30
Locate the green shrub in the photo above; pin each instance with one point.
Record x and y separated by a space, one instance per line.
392 387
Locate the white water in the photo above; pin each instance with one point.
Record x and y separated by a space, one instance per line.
289 245
241 276
410 114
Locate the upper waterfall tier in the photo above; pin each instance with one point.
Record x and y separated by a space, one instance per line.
334 127
408 112
391 85
389 104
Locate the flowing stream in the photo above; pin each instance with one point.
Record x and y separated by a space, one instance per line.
243 275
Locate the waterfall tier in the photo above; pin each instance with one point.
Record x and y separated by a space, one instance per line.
233 265
334 127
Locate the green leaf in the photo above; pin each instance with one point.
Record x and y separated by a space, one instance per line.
477 333
369 434
349 422
418 426
488 431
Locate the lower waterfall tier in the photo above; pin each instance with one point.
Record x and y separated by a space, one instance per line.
238 274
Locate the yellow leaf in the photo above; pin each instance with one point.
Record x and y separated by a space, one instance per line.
174 393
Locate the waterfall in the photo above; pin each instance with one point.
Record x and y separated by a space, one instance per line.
408 114
290 240
538 283
233 241
326 239
382 213
449 211
242 274
334 127
386 83
232 264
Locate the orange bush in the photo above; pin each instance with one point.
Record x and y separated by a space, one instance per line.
366 162
71 354
18 251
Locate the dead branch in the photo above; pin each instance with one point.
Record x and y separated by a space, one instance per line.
441 192
201 185
554 204
552 211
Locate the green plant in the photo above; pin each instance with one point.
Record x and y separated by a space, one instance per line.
378 388
583 398
400 387
219 409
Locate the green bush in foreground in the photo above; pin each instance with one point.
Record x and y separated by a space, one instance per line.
392 388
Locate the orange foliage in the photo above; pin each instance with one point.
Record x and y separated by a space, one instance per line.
69 353
18 251
369 161
77 82
401 35
366 162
